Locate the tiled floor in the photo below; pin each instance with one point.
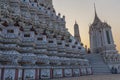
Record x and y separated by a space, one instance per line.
94 77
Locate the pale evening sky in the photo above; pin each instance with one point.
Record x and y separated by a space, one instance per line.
83 12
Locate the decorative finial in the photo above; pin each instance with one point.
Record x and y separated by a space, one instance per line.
75 22
95 9
96 19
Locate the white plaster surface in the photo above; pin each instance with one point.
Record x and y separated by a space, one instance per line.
9 74
68 72
57 73
29 74
20 74
76 72
83 71
89 71
45 73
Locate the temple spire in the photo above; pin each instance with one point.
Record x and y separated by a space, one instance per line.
75 22
96 19
95 10
76 32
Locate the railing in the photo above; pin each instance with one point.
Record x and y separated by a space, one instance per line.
68 50
8 46
27 40
29 57
52 52
42 51
13 36
10 40
41 45
26 48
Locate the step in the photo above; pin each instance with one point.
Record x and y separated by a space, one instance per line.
98 65
101 73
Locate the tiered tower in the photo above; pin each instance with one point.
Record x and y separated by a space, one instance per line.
101 39
76 32
35 43
102 45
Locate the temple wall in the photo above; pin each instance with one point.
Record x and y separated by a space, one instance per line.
35 38
76 72
20 74
9 74
57 73
29 74
68 72
43 73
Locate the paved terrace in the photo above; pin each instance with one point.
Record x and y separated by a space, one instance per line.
94 77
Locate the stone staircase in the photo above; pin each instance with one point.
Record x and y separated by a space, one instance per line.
97 63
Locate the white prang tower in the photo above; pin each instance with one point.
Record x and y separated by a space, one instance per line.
101 38
76 32
104 55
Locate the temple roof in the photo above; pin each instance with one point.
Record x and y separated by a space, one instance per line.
97 23
96 18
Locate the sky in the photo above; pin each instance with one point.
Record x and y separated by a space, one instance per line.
83 12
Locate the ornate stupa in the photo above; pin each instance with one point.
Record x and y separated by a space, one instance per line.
35 43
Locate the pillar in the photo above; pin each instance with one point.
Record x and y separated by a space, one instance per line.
105 37
51 73
111 36
63 72
36 74
23 72
39 73
2 73
72 73
91 71
87 71
16 74
80 72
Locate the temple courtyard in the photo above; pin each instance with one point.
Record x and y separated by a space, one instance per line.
94 77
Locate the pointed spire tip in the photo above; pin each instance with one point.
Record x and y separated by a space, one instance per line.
95 9
75 22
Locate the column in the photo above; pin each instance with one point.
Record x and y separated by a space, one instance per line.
91 71
87 71
80 72
36 74
51 73
40 73
16 74
63 72
2 74
72 72
23 74
91 42
111 36
105 38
